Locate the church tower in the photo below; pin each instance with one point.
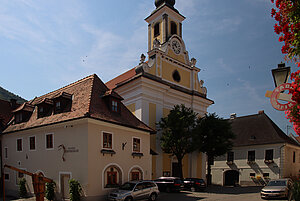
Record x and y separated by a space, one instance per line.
164 22
169 77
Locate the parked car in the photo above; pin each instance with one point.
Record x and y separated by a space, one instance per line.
194 184
279 188
169 184
135 190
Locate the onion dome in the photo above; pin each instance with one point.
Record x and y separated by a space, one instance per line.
167 2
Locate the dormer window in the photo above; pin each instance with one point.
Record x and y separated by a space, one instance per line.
62 102
114 106
23 113
44 107
173 28
19 117
57 106
156 30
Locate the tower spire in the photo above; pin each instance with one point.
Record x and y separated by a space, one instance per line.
167 2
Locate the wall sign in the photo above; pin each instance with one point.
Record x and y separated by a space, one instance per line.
274 98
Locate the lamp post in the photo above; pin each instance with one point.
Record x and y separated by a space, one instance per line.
280 76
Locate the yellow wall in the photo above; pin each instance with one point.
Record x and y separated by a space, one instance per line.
185 166
131 108
152 70
167 73
166 162
166 112
178 57
199 165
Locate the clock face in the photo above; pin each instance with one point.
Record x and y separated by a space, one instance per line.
176 46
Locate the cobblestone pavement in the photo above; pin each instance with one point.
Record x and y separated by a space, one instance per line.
215 193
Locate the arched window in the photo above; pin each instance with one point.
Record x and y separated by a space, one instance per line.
112 177
136 174
173 28
156 30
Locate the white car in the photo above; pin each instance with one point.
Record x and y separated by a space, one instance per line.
279 188
135 190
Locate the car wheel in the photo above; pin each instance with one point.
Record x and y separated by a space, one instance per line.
193 189
153 197
129 199
168 189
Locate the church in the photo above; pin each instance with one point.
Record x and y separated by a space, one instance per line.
169 77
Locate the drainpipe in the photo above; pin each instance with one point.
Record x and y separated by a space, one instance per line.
280 161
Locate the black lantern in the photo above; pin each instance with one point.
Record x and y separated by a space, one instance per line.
281 74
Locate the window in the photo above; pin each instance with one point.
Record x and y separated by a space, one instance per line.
266 174
19 145
6 152
19 176
176 76
6 176
107 140
112 177
57 106
269 154
49 141
230 156
114 106
294 157
136 145
32 143
19 117
156 30
135 176
173 28
251 155
252 174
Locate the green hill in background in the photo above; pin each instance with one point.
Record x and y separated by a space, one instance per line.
6 95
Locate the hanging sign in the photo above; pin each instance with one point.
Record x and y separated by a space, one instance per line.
275 96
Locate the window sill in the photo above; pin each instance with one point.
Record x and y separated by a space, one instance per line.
107 151
269 161
137 154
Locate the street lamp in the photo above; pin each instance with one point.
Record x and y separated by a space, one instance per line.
281 74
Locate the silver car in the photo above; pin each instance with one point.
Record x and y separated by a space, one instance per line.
135 190
279 188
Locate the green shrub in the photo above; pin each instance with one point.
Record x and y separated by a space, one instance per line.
75 190
49 194
22 188
296 191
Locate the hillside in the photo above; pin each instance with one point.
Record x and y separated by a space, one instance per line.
6 95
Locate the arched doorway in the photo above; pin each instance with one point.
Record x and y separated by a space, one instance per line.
231 177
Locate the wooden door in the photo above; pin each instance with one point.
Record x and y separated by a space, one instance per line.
64 185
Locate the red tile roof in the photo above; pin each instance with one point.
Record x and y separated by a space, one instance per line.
121 78
87 101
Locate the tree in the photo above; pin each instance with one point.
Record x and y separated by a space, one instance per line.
177 130
287 15
214 137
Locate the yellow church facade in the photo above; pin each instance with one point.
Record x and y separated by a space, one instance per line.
169 77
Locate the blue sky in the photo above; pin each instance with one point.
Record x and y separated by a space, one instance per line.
48 44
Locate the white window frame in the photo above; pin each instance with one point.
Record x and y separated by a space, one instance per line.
46 141
5 155
34 143
140 144
21 144
112 140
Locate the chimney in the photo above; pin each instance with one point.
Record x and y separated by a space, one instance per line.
261 112
233 116
13 103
